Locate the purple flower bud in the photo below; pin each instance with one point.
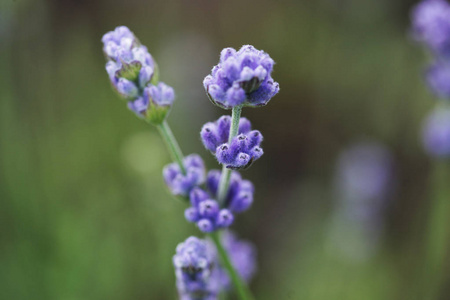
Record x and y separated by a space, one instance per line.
138 106
127 88
205 225
198 195
181 184
436 133
431 25
225 218
191 214
208 209
160 98
241 78
438 78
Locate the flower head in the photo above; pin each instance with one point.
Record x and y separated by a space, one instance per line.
431 25
181 184
134 75
436 133
241 78
243 149
194 269
206 212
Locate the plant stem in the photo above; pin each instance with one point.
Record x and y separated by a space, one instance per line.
226 173
241 288
172 144
438 231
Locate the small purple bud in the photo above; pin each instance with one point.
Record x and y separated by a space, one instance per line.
197 196
208 208
225 218
223 128
191 214
223 154
241 202
205 225
244 125
127 88
209 137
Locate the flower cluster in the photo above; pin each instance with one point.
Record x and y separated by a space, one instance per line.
436 133
241 151
181 184
133 73
431 26
198 271
194 264
205 210
241 78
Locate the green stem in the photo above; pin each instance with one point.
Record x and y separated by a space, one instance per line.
438 231
226 173
241 288
172 144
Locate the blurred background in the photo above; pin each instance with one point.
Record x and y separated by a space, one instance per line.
346 199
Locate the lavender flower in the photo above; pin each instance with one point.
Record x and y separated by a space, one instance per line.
438 78
194 270
436 133
198 271
181 184
205 210
431 25
241 78
243 149
133 73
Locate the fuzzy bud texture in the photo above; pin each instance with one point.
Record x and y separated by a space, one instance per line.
431 25
194 263
241 78
181 184
243 149
205 210
436 133
133 73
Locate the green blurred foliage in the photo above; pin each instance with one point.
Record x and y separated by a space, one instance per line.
84 212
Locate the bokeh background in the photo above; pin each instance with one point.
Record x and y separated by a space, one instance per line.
84 213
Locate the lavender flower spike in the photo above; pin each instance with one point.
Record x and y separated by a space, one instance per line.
133 73
431 25
130 66
241 78
194 270
436 133
181 184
